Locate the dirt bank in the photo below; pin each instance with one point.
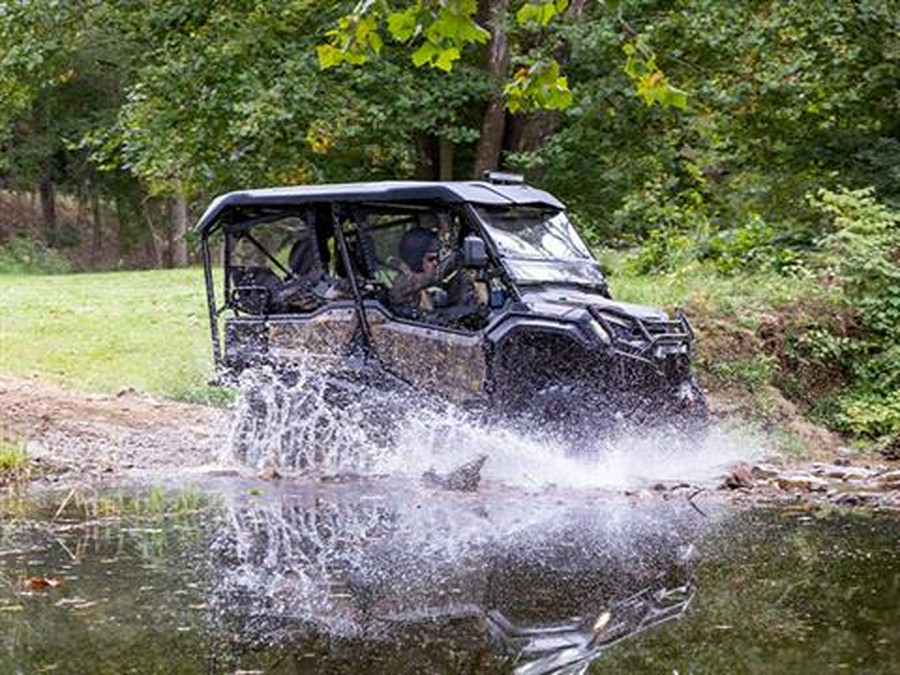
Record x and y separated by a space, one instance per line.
69 432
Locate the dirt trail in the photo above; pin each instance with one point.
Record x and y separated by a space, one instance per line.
70 431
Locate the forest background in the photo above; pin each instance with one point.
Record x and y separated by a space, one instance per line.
742 158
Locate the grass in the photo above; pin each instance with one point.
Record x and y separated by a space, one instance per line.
738 297
13 462
105 332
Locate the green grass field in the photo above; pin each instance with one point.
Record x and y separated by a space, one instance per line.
106 332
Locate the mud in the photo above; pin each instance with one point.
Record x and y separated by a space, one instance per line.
73 434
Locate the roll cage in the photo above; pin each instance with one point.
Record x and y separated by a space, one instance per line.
346 239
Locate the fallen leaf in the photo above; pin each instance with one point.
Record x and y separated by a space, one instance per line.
41 583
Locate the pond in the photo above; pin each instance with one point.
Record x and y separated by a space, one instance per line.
234 574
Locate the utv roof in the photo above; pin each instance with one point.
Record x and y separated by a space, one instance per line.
475 192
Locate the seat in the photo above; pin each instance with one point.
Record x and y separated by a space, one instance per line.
253 289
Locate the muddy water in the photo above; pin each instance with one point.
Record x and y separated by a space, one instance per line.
383 575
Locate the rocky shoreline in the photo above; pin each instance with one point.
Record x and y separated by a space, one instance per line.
841 482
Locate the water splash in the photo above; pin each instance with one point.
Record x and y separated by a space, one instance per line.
314 424
534 564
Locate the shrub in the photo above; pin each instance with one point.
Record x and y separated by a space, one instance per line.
754 245
861 254
21 255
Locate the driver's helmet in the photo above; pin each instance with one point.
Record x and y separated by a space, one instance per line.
415 244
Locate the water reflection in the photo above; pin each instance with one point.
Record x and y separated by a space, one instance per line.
122 591
385 576
536 582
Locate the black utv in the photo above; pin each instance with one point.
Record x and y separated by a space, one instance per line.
481 293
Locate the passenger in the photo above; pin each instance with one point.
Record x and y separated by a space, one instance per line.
310 285
422 268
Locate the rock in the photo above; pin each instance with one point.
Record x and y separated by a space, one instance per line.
802 481
852 499
841 471
739 477
890 448
889 480
269 472
764 471
639 494
464 478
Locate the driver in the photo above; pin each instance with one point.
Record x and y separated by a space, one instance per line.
423 268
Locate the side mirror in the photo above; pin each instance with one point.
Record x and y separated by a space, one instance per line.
474 252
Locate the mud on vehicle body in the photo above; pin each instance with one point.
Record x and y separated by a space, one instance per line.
520 321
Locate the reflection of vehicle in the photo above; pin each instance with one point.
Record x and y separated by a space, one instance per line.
340 575
530 330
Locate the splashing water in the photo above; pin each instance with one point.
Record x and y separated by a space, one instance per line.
357 560
316 424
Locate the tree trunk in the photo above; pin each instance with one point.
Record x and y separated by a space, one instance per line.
487 154
47 192
427 156
97 229
121 241
169 235
180 228
529 132
445 152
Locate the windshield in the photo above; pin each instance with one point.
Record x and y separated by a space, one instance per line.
540 245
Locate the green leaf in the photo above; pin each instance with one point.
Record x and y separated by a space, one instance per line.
541 12
329 56
528 13
402 25
446 58
425 54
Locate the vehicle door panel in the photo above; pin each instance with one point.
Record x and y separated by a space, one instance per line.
449 363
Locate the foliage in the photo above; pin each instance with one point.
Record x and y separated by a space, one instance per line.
782 101
652 85
21 255
750 372
538 86
871 414
439 31
861 254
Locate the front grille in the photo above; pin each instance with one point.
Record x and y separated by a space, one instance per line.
650 340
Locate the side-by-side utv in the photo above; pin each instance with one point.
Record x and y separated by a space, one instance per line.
516 319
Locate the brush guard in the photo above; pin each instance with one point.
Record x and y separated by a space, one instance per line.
650 341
